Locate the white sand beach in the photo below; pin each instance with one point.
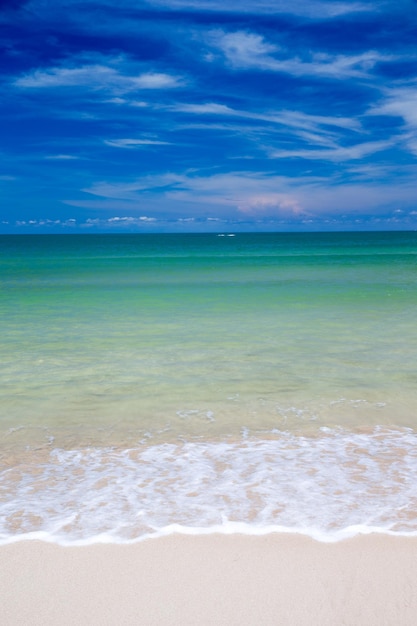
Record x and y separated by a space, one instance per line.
212 580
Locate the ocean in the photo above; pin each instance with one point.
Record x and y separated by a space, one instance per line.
198 383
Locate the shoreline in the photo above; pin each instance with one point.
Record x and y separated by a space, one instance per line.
227 580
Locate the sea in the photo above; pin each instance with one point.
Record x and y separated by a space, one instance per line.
237 383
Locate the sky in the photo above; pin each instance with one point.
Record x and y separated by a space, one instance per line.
208 115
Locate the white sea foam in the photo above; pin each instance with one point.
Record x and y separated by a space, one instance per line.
330 486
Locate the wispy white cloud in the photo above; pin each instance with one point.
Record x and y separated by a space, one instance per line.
208 107
134 143
129 191
381 172
309 8
127 101
61 157
318 130
246 50
401 102
114 75
307 121
296 119
339 153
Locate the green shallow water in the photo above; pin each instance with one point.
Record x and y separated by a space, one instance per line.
107 339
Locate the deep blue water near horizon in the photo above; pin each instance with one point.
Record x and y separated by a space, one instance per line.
245 382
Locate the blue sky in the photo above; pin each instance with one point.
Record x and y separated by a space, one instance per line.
208 115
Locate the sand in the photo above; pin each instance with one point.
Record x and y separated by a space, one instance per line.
212 580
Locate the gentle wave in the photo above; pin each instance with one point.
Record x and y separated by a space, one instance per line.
330 486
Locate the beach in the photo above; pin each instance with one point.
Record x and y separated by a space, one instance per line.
208 430
212 580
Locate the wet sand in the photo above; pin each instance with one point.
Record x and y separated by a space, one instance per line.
212 580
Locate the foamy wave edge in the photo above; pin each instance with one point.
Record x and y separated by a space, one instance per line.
230 529
329 488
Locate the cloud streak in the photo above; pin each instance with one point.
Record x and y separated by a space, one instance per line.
338 154
292 119
97 77
246 50
311 8
134 143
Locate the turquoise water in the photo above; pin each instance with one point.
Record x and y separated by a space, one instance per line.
135 367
